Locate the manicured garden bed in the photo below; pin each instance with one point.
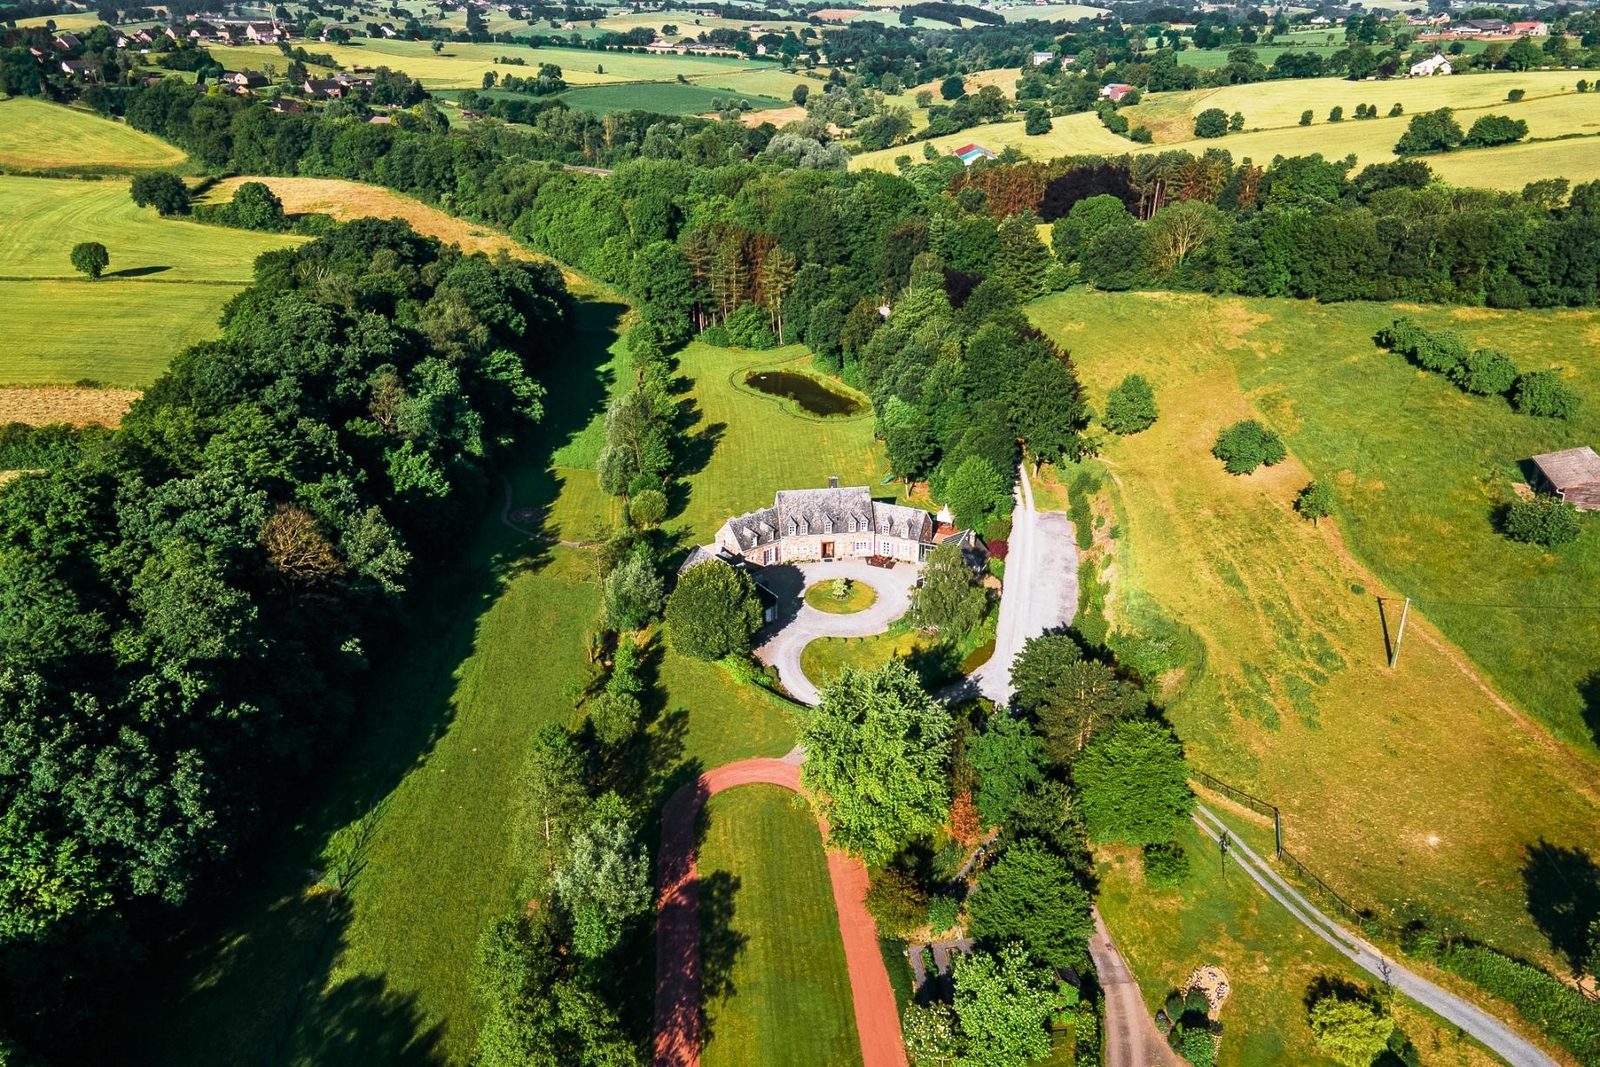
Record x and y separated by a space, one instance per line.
824 596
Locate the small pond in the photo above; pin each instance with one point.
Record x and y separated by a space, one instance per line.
812 395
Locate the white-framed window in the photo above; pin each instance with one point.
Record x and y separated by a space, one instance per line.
769 556
861 546
827 524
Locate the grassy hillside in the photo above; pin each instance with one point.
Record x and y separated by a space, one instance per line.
787 1001
462 66
36 135
1272 115
1413 788
167 282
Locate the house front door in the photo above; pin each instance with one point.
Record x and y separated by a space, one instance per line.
827 550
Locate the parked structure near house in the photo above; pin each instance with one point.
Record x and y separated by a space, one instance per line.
831 523
1435 64
972 153
1572 474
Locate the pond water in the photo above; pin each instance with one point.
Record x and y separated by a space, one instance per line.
811 394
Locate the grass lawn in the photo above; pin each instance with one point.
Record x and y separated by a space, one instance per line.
1268 957
824 658
770 937
166 286
746 445
664 98
382 972
824 597
1411 789
36 135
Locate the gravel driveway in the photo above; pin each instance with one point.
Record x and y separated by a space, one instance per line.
796 624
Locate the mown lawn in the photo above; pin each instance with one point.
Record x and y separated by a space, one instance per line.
1411 791
163 291
37 135
824 596
1270 960
773 964
744 445
824 658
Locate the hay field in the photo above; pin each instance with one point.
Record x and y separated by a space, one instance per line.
1554 114
462 66
44 404
76 20
167 283
36 135
350 200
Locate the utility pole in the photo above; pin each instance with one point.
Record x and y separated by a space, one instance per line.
1222 853
1400 635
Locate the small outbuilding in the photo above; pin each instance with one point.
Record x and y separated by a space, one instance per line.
1573 475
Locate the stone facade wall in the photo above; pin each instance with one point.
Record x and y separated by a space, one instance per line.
806 548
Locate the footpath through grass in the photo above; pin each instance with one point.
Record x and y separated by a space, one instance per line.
1413 790
777 992
1225 920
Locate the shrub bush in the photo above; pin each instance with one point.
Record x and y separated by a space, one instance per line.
748 327
1543 521
1485 372
943 912
1131 406
1212 122
896 903
1305 118
1199 1048
1543 393
1516 95
1246 445
1166 866
1314 501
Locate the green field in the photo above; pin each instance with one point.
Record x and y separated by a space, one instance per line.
462 66
1269 959
166 285
1272 114
744 468
1410 789
664 98
36 135
773 963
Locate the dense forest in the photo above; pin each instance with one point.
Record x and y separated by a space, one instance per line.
186 605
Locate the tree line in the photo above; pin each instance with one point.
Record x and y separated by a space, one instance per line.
187 604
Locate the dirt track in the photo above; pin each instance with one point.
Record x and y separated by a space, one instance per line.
677 1021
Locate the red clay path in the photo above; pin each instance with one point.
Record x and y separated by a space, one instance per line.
677 1023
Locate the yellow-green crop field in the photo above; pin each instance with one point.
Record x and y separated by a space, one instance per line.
462 66
167 282
37 135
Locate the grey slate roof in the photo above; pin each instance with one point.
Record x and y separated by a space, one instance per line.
1572 467
846 510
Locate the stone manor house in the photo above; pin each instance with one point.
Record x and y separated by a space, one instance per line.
831 523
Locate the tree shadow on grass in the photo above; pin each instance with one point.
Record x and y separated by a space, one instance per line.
1563 890
720 944
1589 694
135 272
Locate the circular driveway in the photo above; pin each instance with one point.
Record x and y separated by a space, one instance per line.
796 624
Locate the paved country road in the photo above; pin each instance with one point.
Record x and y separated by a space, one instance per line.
1040 591
1496 1035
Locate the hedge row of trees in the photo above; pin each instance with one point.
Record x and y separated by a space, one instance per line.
186 605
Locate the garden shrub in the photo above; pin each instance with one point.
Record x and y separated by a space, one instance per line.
1485 372
1166 866
1199 1048
943 911
1544 521
1543 393
896 903
1246 445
